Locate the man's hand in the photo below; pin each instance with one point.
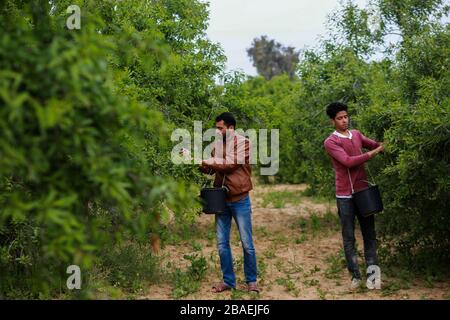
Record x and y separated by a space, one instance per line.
204 168
374 152
208 162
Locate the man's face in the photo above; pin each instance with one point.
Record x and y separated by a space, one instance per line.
341 120
222 128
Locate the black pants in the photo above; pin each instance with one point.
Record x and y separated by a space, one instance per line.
347 211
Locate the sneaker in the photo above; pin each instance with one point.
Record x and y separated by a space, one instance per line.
373 277
356 283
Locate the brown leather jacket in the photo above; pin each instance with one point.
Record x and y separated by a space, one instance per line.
234 164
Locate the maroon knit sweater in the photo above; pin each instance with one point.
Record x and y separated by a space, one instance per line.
346 154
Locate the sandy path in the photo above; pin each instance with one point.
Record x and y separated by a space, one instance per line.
294 263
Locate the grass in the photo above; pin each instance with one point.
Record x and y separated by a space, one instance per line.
289 285
187 282
97 286
336 263
238 264
293 268
237 294
262 232
196 246
430 280
279 265
210 237
310 194
215 262
281 239
301 239
328 222
269 253
129 265
314 270
122 271
183 284
279 199
322 293
317 224
311 282
389 288
300 223
176 234
262 269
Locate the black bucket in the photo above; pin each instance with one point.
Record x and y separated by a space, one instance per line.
213 200
368 201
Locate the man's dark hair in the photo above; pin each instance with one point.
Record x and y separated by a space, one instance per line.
227 118
334 108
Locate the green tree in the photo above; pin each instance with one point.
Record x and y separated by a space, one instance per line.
271 58
397 93
86 117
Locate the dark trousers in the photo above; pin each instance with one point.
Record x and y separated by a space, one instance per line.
347 211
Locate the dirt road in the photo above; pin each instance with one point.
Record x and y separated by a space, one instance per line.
298 245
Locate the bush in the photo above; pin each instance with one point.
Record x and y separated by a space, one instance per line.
185 283
399 97
85 133
130 266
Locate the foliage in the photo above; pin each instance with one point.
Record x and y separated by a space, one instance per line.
85 121
86 117
271 58
397 93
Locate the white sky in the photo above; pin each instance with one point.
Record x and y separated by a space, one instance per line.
235 23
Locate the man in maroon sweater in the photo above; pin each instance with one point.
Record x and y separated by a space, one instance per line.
345 148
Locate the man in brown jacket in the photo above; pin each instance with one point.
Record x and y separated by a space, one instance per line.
231 165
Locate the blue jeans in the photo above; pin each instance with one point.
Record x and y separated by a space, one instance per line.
241 211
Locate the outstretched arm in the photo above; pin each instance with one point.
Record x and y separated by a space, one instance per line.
368 143
338 153
240 156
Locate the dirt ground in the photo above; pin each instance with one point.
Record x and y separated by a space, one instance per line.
294 263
